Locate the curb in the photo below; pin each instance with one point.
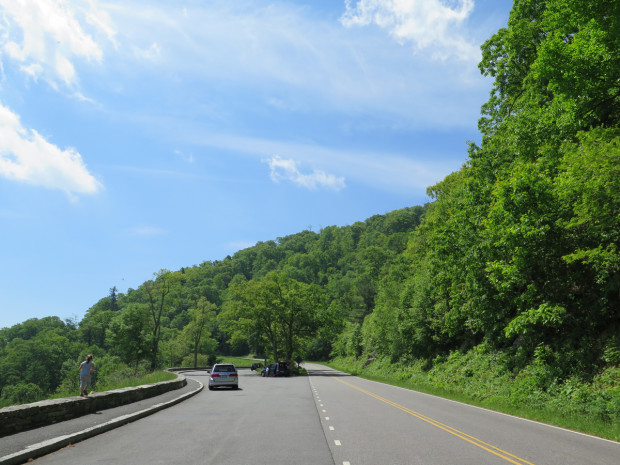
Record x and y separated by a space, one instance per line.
51 445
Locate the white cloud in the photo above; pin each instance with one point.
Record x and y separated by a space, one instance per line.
393 172
27 156
428 25
48 35
289 171
34 70
296 61
100 19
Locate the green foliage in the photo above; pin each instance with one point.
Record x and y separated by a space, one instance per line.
545 315
237 361
590 184
349 342
200 360
196 333
22 393
130 333
275 311
39 358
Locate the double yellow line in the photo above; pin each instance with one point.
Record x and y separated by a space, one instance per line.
464 436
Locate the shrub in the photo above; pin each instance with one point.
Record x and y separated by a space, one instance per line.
22 393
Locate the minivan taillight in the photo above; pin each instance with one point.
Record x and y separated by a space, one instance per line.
214 375
233 374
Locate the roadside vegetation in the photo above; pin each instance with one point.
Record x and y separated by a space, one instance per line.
504 289
110 375
119 381
483 379
239 361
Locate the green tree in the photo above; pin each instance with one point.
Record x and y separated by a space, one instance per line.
130 334
274 309
590 186
156 291
199 328
22 393
250 312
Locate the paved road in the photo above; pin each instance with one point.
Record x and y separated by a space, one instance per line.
267 421
378 424
331 418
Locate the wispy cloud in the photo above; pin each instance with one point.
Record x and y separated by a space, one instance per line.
152 53
46 36
291 57
432 26
187 157
296 61
289 171
27 156
282 54
154 172
386 171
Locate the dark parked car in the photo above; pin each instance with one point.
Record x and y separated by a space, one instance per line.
277 369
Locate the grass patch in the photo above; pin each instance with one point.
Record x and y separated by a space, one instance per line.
239 361
150 378
479 379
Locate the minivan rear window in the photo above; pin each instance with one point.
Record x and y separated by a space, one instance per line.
224 369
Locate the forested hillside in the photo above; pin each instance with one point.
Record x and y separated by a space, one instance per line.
517 256
283 298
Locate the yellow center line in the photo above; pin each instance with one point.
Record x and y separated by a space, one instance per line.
466 437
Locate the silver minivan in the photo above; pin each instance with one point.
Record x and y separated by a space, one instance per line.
223 374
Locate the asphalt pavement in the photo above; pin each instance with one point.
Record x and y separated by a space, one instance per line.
18 448
327 418
267 421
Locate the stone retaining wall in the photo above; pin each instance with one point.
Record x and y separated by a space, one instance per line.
18 418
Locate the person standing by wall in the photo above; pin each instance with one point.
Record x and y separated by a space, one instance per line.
86 369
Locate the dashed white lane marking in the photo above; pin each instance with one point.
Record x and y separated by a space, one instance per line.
331 428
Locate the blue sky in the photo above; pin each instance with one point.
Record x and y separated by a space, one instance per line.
142 135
